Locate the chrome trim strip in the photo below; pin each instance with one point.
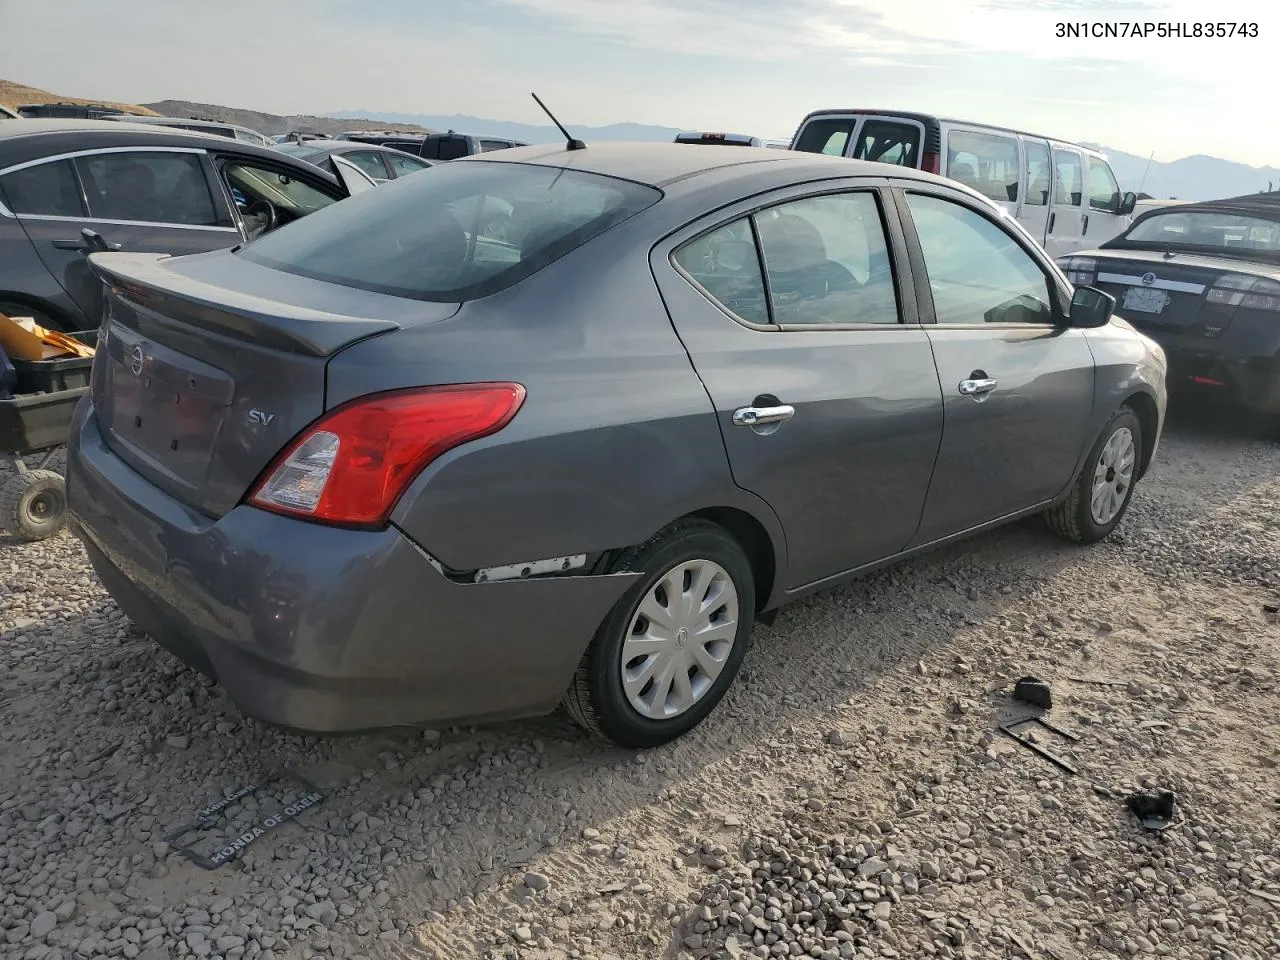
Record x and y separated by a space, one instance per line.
89 153
1135 280
127 223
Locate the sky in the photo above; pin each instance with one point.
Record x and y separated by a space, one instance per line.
752 66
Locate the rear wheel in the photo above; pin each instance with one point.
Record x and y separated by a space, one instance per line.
1102 491
33 505
670 648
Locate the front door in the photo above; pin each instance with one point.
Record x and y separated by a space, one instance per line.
1066 213
147 201
1017 385
1103 219
827 401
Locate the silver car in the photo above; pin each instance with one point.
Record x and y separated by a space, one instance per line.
377 467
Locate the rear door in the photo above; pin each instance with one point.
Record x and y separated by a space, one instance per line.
1017 385
898 141
1066 212
156 200
793 314
1037 187
1103 220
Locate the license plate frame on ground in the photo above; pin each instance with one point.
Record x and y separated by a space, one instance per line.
235 846
1145 300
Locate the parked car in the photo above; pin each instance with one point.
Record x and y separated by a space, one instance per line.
69 111
132 187
435 146
1202 279
232 131
1065 195
731 140
377 468
380 163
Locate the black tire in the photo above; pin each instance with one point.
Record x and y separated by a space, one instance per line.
596 699
1072 519
33 505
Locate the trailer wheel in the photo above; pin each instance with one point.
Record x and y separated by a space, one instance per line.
33 504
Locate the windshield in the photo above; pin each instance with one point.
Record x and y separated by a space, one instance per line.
468 230
1228 232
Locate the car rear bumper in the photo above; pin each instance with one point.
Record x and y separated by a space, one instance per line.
1254 381
320 629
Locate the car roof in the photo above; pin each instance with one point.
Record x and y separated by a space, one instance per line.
37 126
348 146
660 164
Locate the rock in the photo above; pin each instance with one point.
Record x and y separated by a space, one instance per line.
178 742
523 934
43 924
536 882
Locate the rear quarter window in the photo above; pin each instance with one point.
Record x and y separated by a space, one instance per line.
466 231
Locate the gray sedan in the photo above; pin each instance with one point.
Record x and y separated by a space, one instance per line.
379 468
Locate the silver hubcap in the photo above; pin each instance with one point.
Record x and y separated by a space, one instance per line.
1113 476
680 639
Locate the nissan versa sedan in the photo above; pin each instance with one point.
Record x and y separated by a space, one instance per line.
378 468
1203 280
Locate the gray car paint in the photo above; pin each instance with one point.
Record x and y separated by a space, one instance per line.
631 375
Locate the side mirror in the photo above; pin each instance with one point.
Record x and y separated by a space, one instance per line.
351 176
1091 307
1127 203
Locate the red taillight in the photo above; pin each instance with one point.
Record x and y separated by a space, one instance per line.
351 466
1207 381
931 163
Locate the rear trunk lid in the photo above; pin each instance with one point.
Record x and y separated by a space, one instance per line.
208 365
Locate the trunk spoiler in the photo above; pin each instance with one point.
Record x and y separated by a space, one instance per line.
143 279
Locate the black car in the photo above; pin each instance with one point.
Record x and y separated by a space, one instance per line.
68 187
380 163
1202 279
436 146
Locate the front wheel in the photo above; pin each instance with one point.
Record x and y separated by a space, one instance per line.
670 648
1102 491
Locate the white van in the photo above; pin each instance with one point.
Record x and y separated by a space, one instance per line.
1064 194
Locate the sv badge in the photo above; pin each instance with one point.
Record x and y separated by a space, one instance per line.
261 418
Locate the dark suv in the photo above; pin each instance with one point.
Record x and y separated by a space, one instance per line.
435 146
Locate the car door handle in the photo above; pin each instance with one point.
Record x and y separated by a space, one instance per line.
755 416
1053 218
1084 225
977 388
89 240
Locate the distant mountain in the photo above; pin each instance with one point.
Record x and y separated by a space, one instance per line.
13 94
528 132
1191 178
273 124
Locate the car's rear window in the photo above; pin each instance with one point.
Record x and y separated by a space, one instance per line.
468 230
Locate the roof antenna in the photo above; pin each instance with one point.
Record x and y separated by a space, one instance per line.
572 143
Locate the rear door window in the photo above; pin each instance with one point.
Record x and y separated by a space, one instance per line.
985 162
1069 189
487 145
466 231
148 187
888 141
47 190
1104 191
402 166
1038 174
370 161
827 261
829 135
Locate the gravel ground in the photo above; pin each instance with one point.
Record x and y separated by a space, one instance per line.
853 796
